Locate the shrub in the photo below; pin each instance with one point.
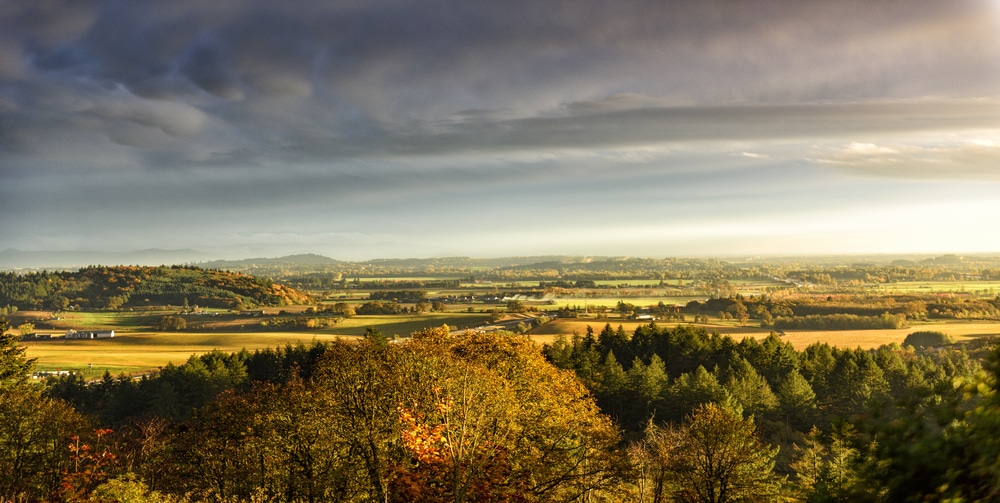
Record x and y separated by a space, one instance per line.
927 339
171 323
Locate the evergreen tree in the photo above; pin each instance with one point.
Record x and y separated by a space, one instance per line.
15 366
616 341
691 390
749 389
612 391
796 401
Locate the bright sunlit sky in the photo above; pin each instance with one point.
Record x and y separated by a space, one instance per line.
375 129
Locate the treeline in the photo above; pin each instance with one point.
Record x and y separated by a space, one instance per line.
846 272
133 286
399 295
841 322
954 269
853 425
664 372
333 281
845 311
175 391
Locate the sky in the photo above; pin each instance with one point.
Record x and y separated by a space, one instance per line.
379 129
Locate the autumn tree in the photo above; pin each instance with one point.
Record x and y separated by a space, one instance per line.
34 432
26 329
273 442
33 429
714 457
459 449
439 418
649 462
560 447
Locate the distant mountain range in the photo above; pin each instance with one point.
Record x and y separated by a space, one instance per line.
301 259
70 260
20 259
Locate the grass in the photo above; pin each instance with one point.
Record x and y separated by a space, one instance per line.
93 320
142 352
136 351
612 302
403 325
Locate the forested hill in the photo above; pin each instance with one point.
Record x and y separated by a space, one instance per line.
100 287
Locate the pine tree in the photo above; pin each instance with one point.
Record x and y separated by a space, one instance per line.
15 366
749 389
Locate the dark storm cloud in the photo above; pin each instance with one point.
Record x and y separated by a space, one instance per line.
231 106
392 75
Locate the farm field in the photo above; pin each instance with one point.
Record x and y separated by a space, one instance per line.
403 326
135 350
612 302
865 339
141 352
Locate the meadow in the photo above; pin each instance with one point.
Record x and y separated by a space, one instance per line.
142 352
136 349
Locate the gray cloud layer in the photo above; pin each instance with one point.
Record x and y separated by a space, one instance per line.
227 102
287 74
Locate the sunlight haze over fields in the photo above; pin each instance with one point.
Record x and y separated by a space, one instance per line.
409 129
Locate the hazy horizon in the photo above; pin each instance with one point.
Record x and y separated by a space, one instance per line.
13 259
385 129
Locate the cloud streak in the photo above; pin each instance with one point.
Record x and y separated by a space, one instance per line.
972 158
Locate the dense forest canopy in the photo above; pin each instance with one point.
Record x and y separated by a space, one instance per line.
651 415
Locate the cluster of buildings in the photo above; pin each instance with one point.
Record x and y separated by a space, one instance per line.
73 334
90 334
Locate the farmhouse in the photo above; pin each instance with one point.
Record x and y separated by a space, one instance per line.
35 337
90 334
42 374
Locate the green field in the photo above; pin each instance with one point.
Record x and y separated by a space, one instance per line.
138 353
403 325
136 350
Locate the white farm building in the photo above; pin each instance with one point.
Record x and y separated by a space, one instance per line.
90 334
